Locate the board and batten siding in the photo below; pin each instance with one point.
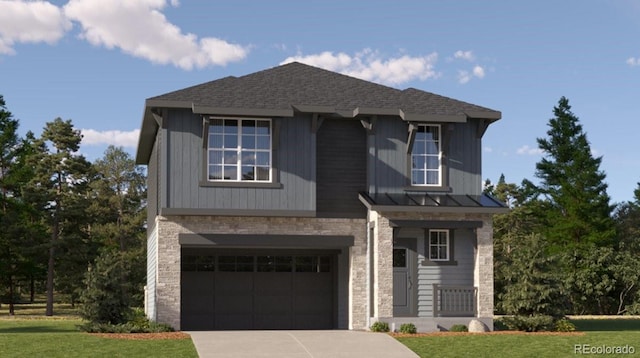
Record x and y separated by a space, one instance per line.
152 269
465 159
388 158
293 158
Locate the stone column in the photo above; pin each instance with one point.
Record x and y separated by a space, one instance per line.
168 275
382 267
483 271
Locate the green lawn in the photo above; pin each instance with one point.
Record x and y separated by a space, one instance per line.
597 333
61 338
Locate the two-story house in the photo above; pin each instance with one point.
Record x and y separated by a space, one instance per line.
300 198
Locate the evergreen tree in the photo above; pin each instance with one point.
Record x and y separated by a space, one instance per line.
20 224
572 183
58 188
119 213
627 261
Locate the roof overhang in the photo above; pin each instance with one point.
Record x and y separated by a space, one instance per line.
150 123
433 203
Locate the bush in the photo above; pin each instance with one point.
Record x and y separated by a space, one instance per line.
535 323
498 325
459 328
379 327
106 299
138 323
408 328
563 325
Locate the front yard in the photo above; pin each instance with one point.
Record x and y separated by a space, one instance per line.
37 336
21 337
595 336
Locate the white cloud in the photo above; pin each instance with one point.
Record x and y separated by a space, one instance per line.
369 65
633 61
464 55
527 150
466 76
488 149
117 138
139 28
30 22
478 71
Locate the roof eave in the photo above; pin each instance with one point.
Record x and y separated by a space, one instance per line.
148 131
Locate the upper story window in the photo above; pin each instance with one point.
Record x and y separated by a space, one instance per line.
239 150
426 156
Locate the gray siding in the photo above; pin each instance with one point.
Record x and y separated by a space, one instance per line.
388 158
341 168
465 159
455 275
293 158
152 268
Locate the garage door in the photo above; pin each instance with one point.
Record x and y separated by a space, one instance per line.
261 290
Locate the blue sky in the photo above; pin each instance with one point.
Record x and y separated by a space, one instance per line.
95 62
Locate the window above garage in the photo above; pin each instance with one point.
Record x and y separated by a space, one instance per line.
239 150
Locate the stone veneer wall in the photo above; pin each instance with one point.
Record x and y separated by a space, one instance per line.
168 270
383 271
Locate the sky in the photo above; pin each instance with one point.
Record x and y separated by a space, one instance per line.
95 62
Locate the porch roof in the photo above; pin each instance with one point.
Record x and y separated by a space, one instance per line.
433 202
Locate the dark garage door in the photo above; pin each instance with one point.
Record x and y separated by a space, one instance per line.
229 291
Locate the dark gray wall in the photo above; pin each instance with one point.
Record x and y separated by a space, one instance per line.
341 168
388 158
465 159
294 158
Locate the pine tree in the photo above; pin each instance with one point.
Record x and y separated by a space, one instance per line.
58 188
579 214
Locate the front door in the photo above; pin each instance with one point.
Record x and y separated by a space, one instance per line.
404 277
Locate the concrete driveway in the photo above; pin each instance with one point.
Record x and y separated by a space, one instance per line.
298 344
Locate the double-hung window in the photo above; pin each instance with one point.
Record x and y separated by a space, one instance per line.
439 243
426 156
239 150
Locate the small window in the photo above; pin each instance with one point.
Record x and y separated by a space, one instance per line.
426 156
400 258
235 263
239 150
198 263
439 245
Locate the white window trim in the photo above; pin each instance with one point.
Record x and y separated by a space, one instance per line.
439 184
239 150
448 245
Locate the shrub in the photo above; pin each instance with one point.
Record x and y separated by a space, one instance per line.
535 323
106 299
563 325
408 328
459 328
379 326
498 325
138 324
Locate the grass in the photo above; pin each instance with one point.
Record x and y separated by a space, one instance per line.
597 332
20 337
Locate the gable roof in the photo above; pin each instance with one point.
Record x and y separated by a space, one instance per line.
295 87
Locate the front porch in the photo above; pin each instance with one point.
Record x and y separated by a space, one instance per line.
432 269
451 305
